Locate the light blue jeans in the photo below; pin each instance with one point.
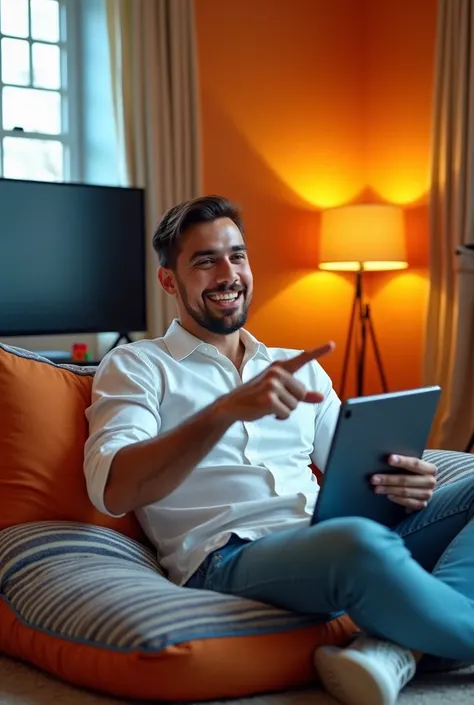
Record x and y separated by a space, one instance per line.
413 586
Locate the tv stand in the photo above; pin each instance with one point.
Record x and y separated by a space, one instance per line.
118 340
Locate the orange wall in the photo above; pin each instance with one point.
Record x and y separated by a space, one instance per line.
399 74
298 114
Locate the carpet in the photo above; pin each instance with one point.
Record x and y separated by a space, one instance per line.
22 685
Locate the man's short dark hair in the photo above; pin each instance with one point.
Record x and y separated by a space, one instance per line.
175 222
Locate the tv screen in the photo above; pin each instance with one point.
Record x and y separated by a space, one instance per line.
72 258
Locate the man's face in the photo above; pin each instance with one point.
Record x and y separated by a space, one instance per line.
213 279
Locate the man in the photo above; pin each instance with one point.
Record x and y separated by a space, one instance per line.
208 435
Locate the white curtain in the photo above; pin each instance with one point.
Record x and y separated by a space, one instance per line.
458 423
449 356
154 77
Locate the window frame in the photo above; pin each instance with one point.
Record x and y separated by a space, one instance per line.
69 91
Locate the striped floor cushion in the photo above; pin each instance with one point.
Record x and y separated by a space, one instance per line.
92 607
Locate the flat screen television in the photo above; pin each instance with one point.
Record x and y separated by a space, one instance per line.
72 259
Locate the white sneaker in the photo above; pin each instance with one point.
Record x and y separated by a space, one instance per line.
368 672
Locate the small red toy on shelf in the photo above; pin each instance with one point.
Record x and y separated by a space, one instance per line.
80 352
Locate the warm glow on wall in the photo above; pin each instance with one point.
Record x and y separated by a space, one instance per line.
364 236
401 184
324 176
322 191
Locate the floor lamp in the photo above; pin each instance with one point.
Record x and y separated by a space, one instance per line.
362 238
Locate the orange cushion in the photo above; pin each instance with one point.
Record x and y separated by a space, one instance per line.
42 434
201 669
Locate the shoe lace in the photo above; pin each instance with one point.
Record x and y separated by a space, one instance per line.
400 659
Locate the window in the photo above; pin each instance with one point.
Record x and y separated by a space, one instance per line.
37 91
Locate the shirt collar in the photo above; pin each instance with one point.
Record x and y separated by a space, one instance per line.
181 343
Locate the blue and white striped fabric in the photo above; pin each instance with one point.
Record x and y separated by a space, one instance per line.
452 465
93 585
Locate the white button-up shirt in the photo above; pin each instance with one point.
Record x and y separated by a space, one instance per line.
254 481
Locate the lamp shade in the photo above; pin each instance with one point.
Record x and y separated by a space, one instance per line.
363 236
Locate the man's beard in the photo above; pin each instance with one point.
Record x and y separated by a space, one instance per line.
220 325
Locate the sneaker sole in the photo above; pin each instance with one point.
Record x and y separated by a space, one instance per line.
348 678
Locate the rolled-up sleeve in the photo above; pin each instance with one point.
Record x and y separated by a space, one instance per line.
124 410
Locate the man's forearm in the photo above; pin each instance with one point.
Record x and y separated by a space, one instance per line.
147 471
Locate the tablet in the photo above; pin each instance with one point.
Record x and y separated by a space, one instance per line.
369 430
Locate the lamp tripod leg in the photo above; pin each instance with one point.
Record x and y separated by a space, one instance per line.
362 313
361 354
378 357
350 337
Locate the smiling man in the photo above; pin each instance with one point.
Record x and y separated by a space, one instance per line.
208 436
